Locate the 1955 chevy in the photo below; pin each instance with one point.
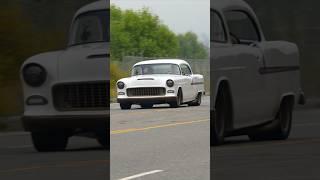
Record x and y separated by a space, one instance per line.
255 84
161 81
66 92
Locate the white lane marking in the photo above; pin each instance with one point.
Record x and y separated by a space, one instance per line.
141 175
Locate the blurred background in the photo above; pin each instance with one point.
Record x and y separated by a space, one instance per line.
28 27
298 23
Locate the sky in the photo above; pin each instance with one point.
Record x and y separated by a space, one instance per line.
180 15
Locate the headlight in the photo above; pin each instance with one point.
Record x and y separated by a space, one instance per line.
120 85
34 74
170 83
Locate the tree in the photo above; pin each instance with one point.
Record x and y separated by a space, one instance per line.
140 33
190 47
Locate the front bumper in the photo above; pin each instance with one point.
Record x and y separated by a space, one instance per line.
152 100
36 123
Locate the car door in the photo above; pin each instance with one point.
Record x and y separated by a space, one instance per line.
187 89
248 86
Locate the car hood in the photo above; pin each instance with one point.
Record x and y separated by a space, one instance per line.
88 62
149 80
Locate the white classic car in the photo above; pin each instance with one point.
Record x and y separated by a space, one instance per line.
161 81
255 83
66 92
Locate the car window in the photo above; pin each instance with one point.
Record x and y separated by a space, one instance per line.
217 30
242 26
185 69
90 27
146 69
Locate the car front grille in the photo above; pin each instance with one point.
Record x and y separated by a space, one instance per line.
150 91
82 96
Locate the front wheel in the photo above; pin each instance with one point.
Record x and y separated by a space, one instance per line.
219 118
51 140
177 103
125 106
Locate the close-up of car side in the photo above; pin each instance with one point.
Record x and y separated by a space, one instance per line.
255 84
66 92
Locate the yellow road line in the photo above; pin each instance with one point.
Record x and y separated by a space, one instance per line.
125 131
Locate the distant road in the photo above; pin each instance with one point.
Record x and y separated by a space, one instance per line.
160 143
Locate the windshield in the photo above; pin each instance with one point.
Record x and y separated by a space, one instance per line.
90 27
156 69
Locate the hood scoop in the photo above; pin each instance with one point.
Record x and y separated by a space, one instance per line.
145 79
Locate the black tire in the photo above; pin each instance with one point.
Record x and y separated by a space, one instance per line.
103 140
220 117
146 105
282 124
125 106
48 141
197 101
177 103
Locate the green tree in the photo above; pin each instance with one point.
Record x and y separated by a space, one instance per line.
190 47
140 33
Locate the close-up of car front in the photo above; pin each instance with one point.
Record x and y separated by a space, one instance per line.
66 92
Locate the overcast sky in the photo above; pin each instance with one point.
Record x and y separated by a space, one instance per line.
180 15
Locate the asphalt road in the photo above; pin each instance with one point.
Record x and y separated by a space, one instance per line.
84 160
298 158
164 143
160 143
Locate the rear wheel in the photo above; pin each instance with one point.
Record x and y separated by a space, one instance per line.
197 101
219 118
103 140
125 106
177 103
282 128
51 140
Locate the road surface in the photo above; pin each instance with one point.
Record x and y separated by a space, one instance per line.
83 160
160 143
164 143
295 159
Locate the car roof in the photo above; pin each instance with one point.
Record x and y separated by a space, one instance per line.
95 6
231 5
162 61
223 5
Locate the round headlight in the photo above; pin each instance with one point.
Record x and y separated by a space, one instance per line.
34 74
120 85
170 83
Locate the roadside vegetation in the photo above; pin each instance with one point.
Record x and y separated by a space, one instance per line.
141 33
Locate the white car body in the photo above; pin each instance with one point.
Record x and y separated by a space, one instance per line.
82 70
257 75
191 85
